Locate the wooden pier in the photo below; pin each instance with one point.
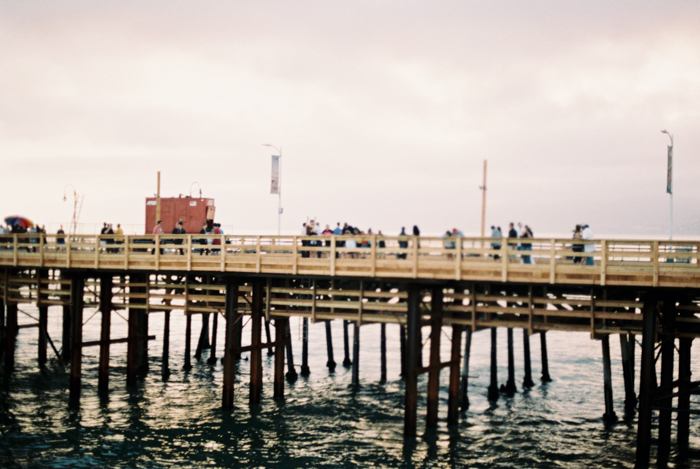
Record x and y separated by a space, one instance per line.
634 288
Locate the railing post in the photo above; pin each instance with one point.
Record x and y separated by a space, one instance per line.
553 261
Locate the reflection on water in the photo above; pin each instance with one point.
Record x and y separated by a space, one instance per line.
322 422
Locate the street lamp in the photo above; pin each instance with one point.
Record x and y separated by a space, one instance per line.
669 179
77 205
276 187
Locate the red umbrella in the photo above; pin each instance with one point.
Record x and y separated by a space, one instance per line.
16 220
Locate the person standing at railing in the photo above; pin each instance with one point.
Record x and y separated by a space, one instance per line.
158 230
587 234
577 247
496 234
403 243
512 233
526 234
217 241
120 235
179 230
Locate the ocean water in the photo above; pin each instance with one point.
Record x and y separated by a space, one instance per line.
323 421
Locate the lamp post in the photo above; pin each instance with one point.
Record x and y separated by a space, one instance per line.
669 180
277 188
77 205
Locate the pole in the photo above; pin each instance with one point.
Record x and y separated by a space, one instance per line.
279 198
483 204
157 202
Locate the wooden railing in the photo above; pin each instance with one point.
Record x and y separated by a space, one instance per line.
615 262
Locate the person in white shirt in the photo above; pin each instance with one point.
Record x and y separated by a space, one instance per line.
587 234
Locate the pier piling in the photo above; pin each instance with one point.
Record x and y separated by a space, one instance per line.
684 389
212 348
453 390
105 331
545 360
627 351
229 364
346 344
292 374
77 285
256 376
464 382
413 344
280 339
305 371
187 365
609 415
493 387
527 379
165 360
382 352
434 367
665 392
356 354
10 337
329 347
646 381
510 388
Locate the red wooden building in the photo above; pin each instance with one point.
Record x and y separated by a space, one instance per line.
192 211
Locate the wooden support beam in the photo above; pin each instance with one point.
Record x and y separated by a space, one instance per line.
165 360
187 365
105 312
434 374
382 352
229 362
256 376
647 380
212 349
609 416
305 371
10 337
76 339
402 348
356 354
134 313
280 340
412 347
545 360
527 379
493 387
66 323
346 344
42 275
42 343
125 340
454 391
627 346
511 388
329 347
292 374
142 327
464 382
684 376
668 320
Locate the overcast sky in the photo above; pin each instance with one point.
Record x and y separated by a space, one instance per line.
384 110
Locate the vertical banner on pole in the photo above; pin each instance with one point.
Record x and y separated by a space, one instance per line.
275 185
669 174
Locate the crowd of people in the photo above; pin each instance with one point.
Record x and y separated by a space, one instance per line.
518 238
